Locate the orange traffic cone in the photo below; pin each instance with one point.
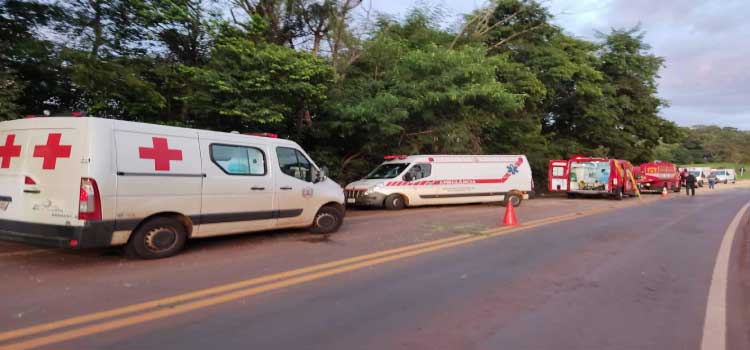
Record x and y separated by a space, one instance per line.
664 192
510 215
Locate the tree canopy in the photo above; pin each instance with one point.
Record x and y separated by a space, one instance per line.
349 89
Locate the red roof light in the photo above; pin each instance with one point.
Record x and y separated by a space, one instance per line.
77 114
395 156
262 134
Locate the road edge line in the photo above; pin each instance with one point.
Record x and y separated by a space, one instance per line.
715 322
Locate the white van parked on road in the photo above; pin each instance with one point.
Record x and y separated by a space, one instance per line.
701 174
725 175
89 182
418 180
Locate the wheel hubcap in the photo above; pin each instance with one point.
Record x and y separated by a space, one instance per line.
326 220
161 238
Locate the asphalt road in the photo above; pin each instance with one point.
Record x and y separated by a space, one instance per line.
577 274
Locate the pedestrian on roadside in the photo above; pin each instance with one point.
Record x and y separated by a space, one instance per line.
683 176
690 182
711 183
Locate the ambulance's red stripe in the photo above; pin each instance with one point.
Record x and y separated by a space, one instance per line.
450 182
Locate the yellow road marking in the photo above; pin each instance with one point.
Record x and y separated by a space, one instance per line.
333 267
207 292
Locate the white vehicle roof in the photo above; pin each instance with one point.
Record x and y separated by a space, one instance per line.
442 158
56 122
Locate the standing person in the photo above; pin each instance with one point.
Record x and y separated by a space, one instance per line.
683 176
690 181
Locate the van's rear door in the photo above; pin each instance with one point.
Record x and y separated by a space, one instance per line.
559 174
40 170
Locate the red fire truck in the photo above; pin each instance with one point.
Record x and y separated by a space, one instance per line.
655 176
586 176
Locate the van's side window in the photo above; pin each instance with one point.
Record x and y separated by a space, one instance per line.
293 163
420 171
239 160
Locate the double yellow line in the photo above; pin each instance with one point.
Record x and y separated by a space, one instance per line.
86 325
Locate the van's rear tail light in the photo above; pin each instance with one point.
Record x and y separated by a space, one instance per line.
90 203
29 181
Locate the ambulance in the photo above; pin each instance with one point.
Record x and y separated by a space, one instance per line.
655 176
590 176
88 182
410 181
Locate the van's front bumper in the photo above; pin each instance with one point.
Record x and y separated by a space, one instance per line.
90 235
369 200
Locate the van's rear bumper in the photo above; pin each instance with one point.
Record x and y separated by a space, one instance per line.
90 235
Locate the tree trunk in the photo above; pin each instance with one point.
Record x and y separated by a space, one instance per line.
96 26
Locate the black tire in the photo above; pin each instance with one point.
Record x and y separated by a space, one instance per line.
395 202
619 195
726 182
328 220
514 198
157 238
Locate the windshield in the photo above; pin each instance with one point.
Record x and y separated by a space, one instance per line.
721 172
696 173
387 171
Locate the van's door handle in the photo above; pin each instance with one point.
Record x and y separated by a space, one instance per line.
32 191
286 188
255 188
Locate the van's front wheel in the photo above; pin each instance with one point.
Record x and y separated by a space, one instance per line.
394 202
157 238
327 220
514 198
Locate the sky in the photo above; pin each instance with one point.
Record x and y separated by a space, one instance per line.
706 45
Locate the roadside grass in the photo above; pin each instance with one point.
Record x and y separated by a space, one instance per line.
736 167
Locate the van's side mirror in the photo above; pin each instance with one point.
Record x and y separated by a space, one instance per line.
319 175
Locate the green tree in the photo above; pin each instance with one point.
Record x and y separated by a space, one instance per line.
408 94
31 70
250 86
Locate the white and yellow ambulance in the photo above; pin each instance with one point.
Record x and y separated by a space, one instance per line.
89 182
419 180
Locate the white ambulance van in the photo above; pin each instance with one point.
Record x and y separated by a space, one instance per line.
419 180
89 182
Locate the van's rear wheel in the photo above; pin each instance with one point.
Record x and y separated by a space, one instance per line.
157 238
327 220
395 202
